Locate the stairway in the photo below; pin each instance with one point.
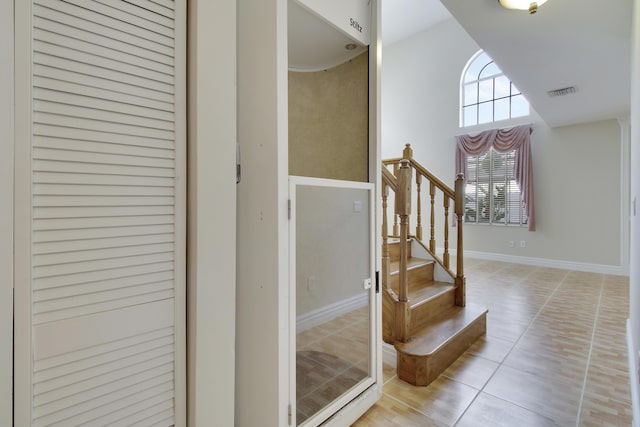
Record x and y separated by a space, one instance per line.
439 331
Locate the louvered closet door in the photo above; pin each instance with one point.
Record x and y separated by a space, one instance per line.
108 212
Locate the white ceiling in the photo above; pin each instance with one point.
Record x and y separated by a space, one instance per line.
584 43
403 18
581 43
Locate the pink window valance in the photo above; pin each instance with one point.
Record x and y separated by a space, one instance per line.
503 141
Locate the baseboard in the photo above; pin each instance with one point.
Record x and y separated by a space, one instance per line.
551 263
633 377
329 312
389 355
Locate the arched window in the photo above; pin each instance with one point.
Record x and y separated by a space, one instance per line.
487 95
493 195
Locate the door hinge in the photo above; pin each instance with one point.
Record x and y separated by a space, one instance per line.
290 415
238 167
289 208
377 282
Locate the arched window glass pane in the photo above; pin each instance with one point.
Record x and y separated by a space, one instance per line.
488 95
473 70
519 106
471 94
471 115
485 90
501 109
490 70
485 112
503 87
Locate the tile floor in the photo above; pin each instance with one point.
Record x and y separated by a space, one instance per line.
331 358
554 355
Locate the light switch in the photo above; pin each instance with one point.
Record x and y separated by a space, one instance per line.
357 205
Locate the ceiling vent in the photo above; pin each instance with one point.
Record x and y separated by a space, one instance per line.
562 91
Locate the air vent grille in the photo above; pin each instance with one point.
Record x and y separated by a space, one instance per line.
562 91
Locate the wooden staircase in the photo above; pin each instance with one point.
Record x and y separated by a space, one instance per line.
426 320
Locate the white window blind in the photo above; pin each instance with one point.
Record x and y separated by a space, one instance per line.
492 194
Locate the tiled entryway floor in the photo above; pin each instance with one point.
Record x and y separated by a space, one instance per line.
554 355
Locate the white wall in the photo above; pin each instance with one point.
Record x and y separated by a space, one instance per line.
262 371
211 210
332 246
634 278
6 212
577 211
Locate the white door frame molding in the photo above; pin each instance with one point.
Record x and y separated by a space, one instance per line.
6 212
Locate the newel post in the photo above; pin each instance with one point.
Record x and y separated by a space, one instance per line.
407 153
459 211
403 210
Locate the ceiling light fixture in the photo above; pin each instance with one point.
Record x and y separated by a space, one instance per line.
531 6
350 46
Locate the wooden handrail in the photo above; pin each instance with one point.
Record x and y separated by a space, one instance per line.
389 179
431 177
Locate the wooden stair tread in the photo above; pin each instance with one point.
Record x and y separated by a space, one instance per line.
434 335
394 266
425 294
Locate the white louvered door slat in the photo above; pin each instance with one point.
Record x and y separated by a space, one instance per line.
107 213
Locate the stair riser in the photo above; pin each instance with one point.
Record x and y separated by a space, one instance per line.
420 315
422 370
394 251
418 277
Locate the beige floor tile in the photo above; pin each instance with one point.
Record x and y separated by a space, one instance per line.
499 328
471 370
489 411
612 357
492 348
599 411
306 338
443 400
536 360
612 383
388 412
548 395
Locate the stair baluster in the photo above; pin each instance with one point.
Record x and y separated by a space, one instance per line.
445 255
396 231
419 208
432 241
461 282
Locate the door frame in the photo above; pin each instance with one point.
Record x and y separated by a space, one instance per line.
6 212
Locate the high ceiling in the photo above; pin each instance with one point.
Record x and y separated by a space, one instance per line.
403 18
580 43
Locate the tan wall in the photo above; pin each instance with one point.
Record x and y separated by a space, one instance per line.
328 122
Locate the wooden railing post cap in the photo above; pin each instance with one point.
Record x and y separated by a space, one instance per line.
407 153
404 164
460 176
